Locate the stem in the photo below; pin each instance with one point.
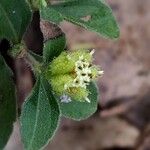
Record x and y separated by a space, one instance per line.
35 65
20 51
48 2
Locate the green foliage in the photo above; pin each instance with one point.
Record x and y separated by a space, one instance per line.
53 47
41 110
7 103
51 15
15 15
81 110
39 117
94 15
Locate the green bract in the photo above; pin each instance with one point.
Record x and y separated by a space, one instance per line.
71 73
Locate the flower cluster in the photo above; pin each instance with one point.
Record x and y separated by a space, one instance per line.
70 74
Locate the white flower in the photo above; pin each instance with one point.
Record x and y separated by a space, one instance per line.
80 72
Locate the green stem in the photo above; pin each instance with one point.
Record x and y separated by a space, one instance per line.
48 2
20 51
35 65
17 50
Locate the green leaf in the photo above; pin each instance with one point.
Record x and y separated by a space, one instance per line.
81 110
40 116
7 103
15 15
49 14
99 16
53 48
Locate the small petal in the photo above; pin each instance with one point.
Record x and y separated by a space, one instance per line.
92 52
65 98
87 99
100 73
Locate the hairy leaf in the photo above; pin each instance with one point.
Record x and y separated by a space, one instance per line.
14 18
81 110
39 118
53 48
94 15
51 15
7 103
